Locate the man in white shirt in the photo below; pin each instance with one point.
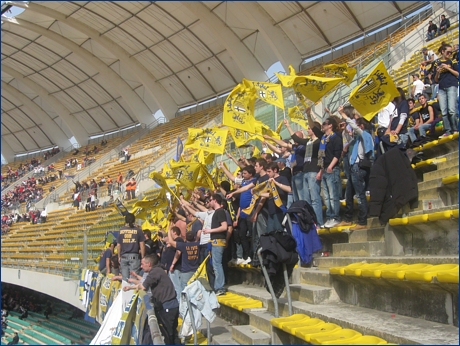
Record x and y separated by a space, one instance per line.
385 114
417 86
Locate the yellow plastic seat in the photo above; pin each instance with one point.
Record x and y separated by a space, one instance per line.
440 215
357 270
428 273
445 139
422 218
455 135
455 213
307 333
448 276
341 228
341 337
367 340
400 221
309 322
376 273
279 321
430 144
450 179
253 304
398 274
341 270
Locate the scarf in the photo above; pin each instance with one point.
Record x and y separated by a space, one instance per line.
322 148
309 150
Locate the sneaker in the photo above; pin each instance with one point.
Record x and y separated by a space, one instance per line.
220 292
331 223
344 223
247 261
239 261
343 200
358 227
446 134
233 262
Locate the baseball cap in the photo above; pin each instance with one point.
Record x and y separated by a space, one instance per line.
424 49
281 159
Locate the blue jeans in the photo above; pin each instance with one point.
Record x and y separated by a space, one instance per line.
331 186
421 130
448 103
175 278
273 223
183 278
217 254
358 187
430 35
297 187
128 263
312 192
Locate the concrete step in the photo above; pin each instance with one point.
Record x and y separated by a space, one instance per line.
261 320
429 184
448 163
365 249
386 325
311 293
249 335
440 173
324 263
371 234
315 276
223 339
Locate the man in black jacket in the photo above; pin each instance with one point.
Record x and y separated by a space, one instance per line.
392 184
431 32
444 25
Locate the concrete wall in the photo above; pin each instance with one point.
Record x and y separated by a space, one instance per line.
53 285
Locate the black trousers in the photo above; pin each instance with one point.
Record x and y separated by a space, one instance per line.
167 320
244 225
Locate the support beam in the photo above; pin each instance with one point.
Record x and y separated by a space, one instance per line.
279 42
48 125
138 108
249 66
7 151
161 97
79 132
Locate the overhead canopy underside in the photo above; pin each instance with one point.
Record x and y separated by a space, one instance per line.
84 68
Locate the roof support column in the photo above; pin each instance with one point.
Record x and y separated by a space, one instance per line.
7 152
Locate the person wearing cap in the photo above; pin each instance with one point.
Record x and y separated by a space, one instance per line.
131 247
104 262
417 86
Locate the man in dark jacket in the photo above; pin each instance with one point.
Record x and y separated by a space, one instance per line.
444 25
392 184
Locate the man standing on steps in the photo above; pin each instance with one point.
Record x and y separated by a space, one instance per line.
218 233
15 340
131 247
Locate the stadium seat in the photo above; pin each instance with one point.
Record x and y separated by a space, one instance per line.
430 272
398 274
448 276
306 333
376 273
356 271
341 270
450 179
341 337
291 327
367 340
411 220
280 321
398 221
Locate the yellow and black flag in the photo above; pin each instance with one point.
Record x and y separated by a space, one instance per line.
238 109
341 70
267 92
211 140
374 92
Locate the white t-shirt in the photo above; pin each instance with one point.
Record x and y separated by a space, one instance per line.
385 114
419 86
207 220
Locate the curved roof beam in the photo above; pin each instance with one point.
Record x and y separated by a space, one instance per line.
79 132
281 45
318 29
48 125
136 104
162 98
244 59
352 15
7 152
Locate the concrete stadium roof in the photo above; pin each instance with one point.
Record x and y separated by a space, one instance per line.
84 68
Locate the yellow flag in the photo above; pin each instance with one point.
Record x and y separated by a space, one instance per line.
287 80
342 70
279 128
212 140
160 180
313 88
262 129
146 225
157 201
205 179
238 109
374 92
267 92
220 175
206 158
236 171
139 213
241 137
186 173
256 153
296 116
201 275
